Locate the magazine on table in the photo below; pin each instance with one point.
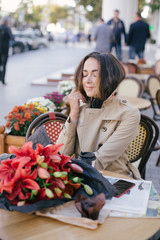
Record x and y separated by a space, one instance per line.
153 211
135 201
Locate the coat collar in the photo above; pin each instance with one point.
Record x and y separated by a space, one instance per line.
110 110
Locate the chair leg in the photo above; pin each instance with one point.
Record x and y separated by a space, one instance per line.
143 173
158 161
156 117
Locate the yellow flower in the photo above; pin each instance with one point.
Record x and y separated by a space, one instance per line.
42 109
36 103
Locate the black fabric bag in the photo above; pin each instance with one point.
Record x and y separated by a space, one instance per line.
91 176
88 157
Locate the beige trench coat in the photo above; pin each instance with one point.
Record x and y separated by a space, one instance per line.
107 132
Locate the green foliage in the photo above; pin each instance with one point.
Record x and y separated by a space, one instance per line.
57 12
35 14
141 4
31 13
97 8
154 5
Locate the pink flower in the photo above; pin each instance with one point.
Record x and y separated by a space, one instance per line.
43 173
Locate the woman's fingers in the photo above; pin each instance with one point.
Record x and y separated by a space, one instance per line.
75 94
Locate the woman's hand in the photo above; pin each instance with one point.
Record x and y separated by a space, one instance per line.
74 100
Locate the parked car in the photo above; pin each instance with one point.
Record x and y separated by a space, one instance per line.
17 47
33 38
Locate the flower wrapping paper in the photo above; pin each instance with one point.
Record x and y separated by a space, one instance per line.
68 213
91 176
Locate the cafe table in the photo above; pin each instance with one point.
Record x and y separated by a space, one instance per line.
146 68
21 226
140 103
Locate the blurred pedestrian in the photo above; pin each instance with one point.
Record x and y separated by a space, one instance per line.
5 37
119 29
89 38
103 36
66 40
137 36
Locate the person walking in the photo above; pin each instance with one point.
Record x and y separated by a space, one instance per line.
103 36
137 37
5 37
119 29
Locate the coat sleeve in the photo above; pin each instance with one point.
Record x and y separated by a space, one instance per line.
130 34
109 22
148 32
68 138
119 141
112 36
10 35
95 34
124 31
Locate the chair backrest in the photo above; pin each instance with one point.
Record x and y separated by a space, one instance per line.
143 145
52 122
153 83
130 86
158 97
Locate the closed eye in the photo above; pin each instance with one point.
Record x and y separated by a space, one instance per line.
85 75
94 73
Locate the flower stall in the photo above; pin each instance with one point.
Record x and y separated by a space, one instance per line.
57 99
18 121
65 87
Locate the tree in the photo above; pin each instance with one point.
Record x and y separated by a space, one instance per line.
154 5
141 4
31 13
57 12
35 15
97 8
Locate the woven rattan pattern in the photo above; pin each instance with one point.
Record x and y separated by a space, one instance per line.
137 144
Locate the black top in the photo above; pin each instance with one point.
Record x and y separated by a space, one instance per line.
96 103
5 36
138 34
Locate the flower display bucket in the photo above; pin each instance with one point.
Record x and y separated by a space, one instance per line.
7 140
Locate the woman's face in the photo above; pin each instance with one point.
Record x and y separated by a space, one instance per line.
91 77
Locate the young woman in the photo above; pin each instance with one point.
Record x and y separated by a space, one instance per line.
99 121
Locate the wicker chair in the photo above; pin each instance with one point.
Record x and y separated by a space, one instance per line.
158 98
52 122
153 84
143 145
131 87
140 150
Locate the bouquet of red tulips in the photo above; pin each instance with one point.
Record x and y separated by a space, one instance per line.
40 174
